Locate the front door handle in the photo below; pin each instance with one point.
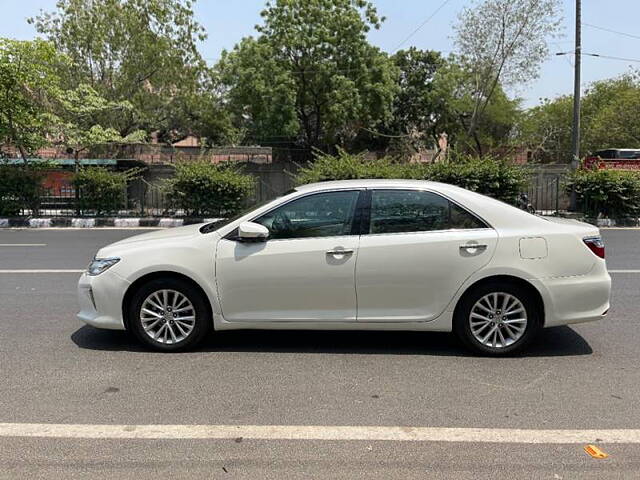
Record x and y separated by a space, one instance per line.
473 246
340 251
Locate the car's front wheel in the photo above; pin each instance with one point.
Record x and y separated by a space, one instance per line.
169 314
497 319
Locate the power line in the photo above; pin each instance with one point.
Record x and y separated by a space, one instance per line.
610 57
598 55
422 24
637 37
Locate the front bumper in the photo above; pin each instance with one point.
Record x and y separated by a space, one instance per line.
100 298
576 299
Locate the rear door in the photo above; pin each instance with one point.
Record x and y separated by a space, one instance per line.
416 251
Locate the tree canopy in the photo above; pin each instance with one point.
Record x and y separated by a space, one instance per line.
309 78
502 43
29 89
310 75
609 120
142 51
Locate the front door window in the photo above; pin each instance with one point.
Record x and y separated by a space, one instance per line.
320 215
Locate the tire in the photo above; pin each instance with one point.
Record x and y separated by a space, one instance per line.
172 311
494 332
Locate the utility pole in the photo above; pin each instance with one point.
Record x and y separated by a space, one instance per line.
575 141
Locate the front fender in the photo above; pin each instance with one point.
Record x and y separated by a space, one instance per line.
196 262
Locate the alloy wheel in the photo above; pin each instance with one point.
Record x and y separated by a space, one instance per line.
498 320
167 316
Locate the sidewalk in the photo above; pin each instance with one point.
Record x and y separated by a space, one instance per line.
118 222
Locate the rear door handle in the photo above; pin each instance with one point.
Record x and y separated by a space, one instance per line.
473 246
340 251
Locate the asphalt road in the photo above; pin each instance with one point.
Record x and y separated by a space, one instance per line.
54 370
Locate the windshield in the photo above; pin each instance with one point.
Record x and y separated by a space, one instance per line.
218 224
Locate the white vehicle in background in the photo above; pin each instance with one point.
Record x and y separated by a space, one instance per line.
355 255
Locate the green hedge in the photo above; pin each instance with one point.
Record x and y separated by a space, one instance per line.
202 188
487 175
20 188
610 193
100 190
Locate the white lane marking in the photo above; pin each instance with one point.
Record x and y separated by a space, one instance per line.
624 271
619 228
21 270
23 244
318 432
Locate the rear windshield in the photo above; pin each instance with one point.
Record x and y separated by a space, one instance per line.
629 154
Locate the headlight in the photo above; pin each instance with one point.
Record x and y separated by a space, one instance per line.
99 265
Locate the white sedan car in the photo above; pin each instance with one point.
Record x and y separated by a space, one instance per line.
355 255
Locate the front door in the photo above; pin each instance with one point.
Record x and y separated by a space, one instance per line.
418 250
304 272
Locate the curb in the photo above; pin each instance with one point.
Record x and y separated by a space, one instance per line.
168 222
621 222
117 222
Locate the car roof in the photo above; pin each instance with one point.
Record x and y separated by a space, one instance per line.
370 183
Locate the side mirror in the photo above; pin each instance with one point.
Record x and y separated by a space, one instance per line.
252 232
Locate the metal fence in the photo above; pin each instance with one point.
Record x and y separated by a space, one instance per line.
546 194
139 198
146 198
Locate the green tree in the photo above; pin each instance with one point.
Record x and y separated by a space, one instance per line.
144 51
546 129
311 74
29 86
82 115
420 111
454 85
609 120
435 96
204 113
502 43
611 111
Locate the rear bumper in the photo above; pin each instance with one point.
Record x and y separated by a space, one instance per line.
575 299
100 299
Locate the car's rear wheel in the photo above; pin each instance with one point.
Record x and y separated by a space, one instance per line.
497 319
169 314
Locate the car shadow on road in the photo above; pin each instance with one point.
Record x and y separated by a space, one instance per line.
552 342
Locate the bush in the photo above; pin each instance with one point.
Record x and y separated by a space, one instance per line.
611 193
101 190
20 188
487 175
203 188
346 166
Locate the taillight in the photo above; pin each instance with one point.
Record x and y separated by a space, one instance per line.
596 245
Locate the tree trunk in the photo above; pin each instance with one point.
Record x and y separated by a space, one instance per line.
476 139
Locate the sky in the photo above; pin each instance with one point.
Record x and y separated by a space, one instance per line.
227 21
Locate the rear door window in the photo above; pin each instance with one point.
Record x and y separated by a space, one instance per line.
397 211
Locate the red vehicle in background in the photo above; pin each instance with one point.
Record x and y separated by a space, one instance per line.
614 158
